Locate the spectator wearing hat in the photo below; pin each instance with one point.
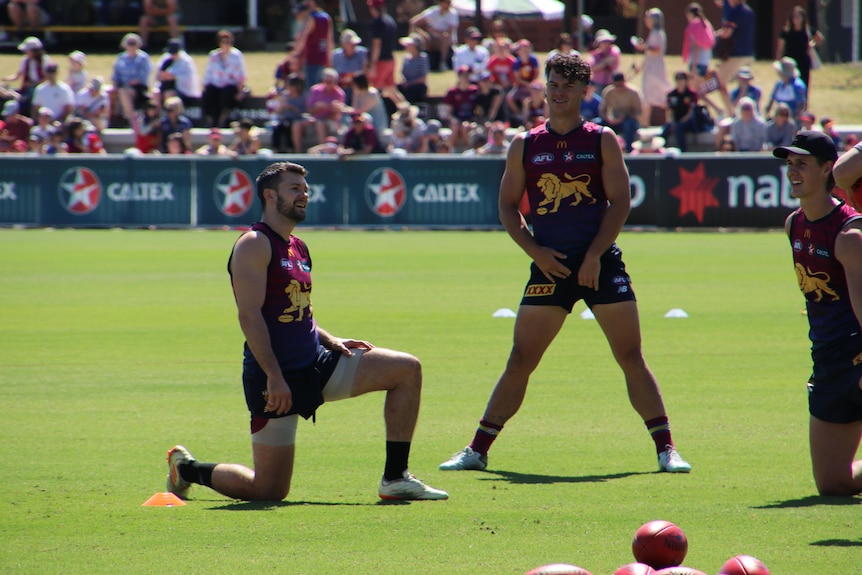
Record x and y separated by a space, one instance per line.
131 75
525 71
314 42
604 60
438 25
76 77
745 88
471 54
459 107
27 13
54 94
224 80
408 129
81 139
681 104
92 103
489 101
16 127
360 139
348 60
31 72
174 122
805 122
748 129
781 128
290 127
434 141
381 58
328 148
789 88
415 66
648 143
159 13
245 141
501 65
622 106
325 104
214 145
176 74
827 126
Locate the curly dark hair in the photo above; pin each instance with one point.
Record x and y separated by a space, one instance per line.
570 66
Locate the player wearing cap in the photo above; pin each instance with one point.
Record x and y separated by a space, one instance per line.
575 256
826 239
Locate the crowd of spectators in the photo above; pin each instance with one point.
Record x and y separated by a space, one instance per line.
340 94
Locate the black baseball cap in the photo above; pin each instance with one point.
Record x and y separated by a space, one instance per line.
809 143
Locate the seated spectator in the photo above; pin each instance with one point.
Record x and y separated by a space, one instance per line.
31 72
176 145
349 60
496 35
849 142
591 104
622 105
681 104
290 128
563 45
746 87
37 145
501 65
92 104
146 126
367 99
525 71
727 144
499 144
43 123
748 129
54 94
214 145
471 54
160 13
535 107
414 69
780 129
224 80
460 107
80 139
131 76
325 103
436 138
605 59
328 148
789 88
439 27
177 75
285 68
477 138
805 121
245 141
174 122
827 125
648 144
411 129
15 126
360 139
27 14
76 78
489 101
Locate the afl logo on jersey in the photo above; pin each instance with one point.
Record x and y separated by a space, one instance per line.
542 159
385 192
797 245
233 192
80 191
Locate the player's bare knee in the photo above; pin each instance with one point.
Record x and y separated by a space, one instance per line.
836 488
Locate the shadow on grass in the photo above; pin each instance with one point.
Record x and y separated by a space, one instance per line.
270 505
837 543
536 479
810 501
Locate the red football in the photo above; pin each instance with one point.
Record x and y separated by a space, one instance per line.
680 570
659 544
743 565
558 569
635 569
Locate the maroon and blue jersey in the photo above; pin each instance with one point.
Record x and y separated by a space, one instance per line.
564 186
317 42
821 276
287 305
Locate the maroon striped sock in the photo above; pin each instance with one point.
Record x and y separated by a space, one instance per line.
659 429
485 436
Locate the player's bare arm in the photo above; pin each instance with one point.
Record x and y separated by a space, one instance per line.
848 251
615 176
512 188
249 264
848 169
342 346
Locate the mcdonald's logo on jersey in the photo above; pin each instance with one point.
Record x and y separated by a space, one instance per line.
562 145
807 234
540 289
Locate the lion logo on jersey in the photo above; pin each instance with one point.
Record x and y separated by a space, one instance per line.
817 282
300 300
556 190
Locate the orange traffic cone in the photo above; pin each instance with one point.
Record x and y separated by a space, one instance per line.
166 499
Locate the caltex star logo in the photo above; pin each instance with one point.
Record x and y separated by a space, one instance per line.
694 192
234 192
80 191
385 192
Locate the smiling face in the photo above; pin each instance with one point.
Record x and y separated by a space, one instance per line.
806 175
564 95
291 196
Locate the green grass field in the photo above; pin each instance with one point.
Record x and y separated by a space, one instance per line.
118 344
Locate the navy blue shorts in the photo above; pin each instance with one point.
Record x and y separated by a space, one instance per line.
306 385
614 284
834 395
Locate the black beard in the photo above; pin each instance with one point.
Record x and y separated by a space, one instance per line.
291 213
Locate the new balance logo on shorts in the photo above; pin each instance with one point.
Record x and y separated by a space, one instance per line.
540 289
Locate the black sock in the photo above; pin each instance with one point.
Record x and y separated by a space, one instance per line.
397 453
200 473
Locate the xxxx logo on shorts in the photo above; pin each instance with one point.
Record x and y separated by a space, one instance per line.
233 192
540 289
80 190
385 192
